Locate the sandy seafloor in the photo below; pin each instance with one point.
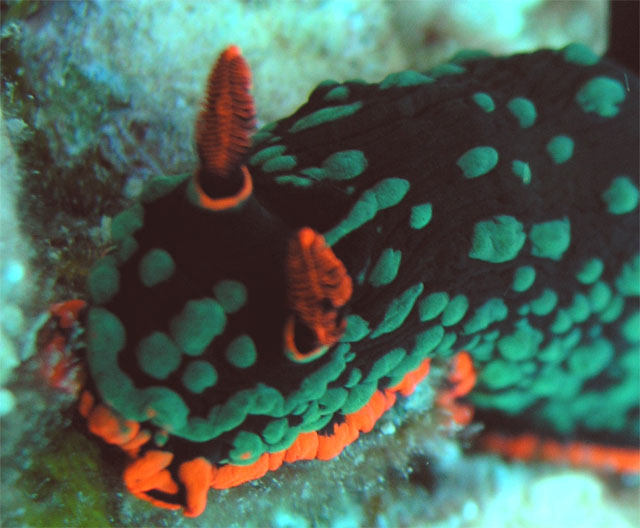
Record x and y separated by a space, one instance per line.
99 96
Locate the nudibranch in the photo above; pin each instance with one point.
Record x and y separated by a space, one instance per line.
270 306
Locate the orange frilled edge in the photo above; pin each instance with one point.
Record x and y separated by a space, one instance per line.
149 472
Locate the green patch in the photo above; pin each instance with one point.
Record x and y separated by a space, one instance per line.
445 69
599 296
358 397
477 161
432 305
357 329
628 281
247 448
104 280
344 165
523 278
455 310
521 344
550 239
484 101
127 222
590 271
523 110
196 326
398 311
522 170
601 95
562 322
338 94
158 356
545 303
622 196
292 179
577 53
198 376
383 366
500 374
613 310
241 352
231 294
403 79
161 186
579 311
490 312
560 149
420 216
280 163
266 154
587 361
499 239
384 194
631 328
325 115
155 267
386 268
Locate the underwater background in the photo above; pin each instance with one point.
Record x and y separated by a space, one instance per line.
99 96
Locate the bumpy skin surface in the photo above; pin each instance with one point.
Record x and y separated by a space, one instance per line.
523 252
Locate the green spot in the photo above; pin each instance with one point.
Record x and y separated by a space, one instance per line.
241 352
198 376
477 161
275 430
560 148
384 194
324 115
126 248
562 322
599 296
500 374
359 396
427 341
155 267
232 295
628 281
384 365
106 337
354 378
442 70
296 181
444 349
195 327
579 311
484 101
420 215
521 344
158 356
490 312
631 328
523 278
622 196
266 154
550 239
511 401
470 55
455 310
522 171
281 163
499 239
247 448
589 360
580 54
398 310
104 280
544 304
590 271
339 93
386 268
161 186
357 329
127 222
601 95
432 305
344 165
523 110
403 79
333 399
613 310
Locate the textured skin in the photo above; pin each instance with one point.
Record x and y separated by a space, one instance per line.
416 136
